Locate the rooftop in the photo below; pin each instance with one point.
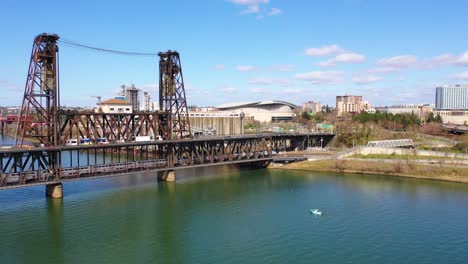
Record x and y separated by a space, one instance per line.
115 102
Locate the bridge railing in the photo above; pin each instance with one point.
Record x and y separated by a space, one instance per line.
25 166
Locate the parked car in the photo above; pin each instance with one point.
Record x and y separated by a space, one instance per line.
85 141
72 142
102 141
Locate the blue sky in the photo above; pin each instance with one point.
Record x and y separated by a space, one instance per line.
390 52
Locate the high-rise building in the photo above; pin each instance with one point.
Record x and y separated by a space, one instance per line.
132 95
350 104
312 106
452 97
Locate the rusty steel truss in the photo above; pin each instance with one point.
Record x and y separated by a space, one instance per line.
113 127
21 167
40 116
41 94
172 94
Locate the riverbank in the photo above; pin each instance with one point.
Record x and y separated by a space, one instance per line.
10 131
440 172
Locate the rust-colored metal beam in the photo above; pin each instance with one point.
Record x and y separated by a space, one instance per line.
172 95
38 115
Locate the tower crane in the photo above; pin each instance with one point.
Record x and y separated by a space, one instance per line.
98 103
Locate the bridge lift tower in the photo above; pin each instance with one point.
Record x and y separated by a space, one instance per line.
40 115
41 94
172 94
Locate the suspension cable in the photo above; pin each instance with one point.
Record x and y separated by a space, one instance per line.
118 52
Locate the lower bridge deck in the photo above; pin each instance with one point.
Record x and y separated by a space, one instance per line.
44 177
27 167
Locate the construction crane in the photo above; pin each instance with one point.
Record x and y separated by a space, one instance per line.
98 103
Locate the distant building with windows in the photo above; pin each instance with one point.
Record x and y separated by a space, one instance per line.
452 103
351 104
452 97
312 106
116 106
421 110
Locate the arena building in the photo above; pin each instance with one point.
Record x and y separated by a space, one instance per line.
263 111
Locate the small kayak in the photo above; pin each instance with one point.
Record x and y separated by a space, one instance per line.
315 211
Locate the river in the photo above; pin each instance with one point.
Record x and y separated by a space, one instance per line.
227 215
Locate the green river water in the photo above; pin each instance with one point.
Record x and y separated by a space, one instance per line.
227 215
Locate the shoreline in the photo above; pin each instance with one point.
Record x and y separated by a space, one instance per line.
458 174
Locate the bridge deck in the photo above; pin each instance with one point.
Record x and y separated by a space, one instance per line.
24 167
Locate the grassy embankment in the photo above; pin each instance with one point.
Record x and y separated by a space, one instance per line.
404 168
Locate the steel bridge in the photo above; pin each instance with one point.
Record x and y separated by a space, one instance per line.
42 166
42 118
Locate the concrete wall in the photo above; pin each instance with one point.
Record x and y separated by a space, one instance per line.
223 125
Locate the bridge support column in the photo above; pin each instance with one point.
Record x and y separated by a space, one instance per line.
54 190
169 176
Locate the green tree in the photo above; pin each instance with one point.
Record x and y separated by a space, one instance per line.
306 116
430 118
438 119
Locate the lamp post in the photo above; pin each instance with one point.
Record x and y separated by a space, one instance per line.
321 143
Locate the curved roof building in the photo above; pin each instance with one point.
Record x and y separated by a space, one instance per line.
263 111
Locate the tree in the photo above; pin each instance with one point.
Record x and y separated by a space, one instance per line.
438 119
305 116
430 118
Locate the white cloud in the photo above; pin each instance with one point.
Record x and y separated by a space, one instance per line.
402 61
269 81
436 62
251 9
283 67
245 68
461 76
462 60
321 76
444 59
275 12
366 79
250 2
324 50
344 58
219 67
254 7
383 70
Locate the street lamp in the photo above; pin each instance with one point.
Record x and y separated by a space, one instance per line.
321 143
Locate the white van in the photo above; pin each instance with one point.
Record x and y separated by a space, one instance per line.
72 142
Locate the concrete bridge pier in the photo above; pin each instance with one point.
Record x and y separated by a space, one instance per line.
168 176
54 190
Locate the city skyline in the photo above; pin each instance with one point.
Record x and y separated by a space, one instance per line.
244 50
